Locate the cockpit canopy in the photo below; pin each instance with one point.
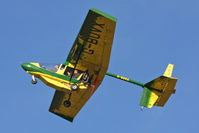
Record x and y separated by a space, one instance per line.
53 67
63 70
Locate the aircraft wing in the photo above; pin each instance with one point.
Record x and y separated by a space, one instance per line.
93 44
90 50
77 101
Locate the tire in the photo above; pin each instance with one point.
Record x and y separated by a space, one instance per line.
67 103
74 87
34 81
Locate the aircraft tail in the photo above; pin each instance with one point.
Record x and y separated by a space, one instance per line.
158 91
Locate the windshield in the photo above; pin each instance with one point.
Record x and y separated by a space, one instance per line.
66 71
50 66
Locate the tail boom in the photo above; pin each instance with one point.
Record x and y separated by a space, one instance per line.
156 92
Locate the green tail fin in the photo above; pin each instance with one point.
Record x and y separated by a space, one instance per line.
148 98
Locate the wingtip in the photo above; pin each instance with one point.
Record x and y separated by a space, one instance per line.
63 116
104 14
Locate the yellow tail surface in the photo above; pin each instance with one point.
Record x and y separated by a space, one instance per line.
169 70
159 90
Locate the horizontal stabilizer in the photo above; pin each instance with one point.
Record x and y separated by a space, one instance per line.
162 83
158 91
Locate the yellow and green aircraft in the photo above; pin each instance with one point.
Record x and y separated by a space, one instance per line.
85 67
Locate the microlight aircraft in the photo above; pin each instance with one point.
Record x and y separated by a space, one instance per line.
85 67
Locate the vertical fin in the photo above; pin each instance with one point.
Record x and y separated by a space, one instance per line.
169 70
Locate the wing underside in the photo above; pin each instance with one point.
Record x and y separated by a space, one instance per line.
93 44
90 50
78 99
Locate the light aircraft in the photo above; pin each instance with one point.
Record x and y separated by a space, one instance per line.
85 67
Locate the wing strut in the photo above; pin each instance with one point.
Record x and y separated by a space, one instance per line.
82 47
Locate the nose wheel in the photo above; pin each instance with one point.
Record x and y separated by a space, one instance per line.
74 87
33 81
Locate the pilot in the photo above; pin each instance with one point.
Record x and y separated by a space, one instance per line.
75 74
56 67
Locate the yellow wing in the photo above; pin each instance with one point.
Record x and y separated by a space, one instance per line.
78 99
91 50
93 44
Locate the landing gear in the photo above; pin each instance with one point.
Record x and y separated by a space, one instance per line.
33 81
67 103
74 87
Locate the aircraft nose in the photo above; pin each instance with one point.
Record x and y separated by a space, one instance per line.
25 66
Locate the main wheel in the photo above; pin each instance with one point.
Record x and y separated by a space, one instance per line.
74 87
33 81
67 103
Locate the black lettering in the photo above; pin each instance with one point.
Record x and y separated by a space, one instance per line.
94 35
93 41
89 51
95 30
100 25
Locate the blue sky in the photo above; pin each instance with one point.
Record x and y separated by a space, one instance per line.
149 35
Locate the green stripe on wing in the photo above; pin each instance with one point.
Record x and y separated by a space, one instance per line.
104 14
